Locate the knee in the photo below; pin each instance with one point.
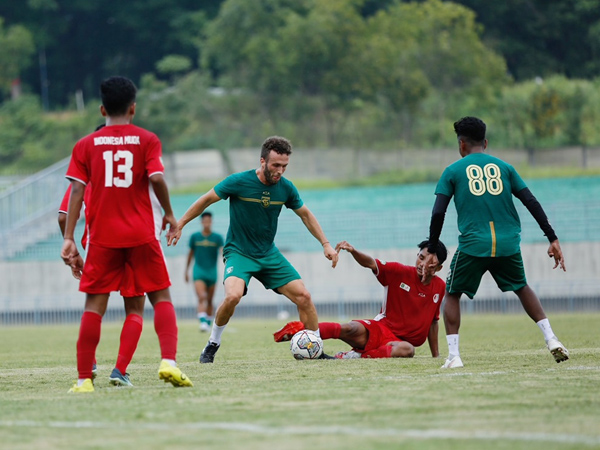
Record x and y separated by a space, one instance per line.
303 299
403 350
232 299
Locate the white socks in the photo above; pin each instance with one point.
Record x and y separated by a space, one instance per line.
544 325
452 345
215 334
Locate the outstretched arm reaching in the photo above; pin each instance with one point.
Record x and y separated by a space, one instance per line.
193 211
361 258
312 224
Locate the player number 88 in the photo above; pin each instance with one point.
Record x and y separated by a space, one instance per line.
485 180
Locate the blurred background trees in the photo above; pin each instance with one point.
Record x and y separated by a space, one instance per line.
339 73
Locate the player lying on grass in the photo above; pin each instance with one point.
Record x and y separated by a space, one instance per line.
408 316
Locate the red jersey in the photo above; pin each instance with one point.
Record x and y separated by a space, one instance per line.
409 307
115 164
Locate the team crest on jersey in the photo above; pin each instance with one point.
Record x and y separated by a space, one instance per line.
405 286
229 270
436 298
265 200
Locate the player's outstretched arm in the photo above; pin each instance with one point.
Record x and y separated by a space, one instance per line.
312 224
193 211
554 251
432 339
361 258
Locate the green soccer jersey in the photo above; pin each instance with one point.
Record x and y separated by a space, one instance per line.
206 250
482 187
254 209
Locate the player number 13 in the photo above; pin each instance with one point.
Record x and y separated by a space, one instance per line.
125 158
484 180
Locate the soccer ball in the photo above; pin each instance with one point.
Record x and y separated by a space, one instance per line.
306 344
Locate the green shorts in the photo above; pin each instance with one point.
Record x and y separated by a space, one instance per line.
466 272
273 270
208 277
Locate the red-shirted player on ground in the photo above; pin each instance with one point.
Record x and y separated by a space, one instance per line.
409 314
122 164
132 301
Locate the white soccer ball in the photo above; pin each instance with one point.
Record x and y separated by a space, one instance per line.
306 344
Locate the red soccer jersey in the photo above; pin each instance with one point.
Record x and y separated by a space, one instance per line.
409 307
117 161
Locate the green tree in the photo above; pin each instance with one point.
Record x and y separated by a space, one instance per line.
16 50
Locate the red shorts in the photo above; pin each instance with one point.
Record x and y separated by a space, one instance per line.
132 270
379 335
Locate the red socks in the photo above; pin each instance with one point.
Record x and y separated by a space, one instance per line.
89 336
130 336
165 324
330 330
385 351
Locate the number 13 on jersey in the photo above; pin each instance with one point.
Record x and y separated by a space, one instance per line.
125 160
484 180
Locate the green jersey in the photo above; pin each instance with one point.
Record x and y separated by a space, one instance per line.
206 250
254 210
483 186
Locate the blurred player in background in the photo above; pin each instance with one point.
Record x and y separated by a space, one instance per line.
204 251
122 165
256 198
409 314
133 303
490 233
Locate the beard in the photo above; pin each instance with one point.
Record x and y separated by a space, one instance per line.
269 176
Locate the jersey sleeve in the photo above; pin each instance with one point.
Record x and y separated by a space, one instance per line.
64 205
226 187
220 241
78 169
445 184
387 270
516 182
154 162
294 201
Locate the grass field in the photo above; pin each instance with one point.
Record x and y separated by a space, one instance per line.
510 394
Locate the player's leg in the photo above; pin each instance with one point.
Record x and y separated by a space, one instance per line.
464 277
210 293
102 273
130 337
87 342
235 288
509 274
395 349
299 295
151 276
202 294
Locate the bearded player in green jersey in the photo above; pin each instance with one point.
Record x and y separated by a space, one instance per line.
489 240
256 198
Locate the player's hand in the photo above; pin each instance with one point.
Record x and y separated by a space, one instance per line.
331 254
174 232
69 251
344 245
554 251
77 267
429 264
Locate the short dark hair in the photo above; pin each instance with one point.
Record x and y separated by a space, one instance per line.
470 129
277 144
441 251
205 214
118 94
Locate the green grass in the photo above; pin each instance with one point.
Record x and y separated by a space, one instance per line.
510 394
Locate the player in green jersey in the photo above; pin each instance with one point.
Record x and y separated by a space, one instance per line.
204 251
256 198
489 240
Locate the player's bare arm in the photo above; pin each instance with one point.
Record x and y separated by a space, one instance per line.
69 250
432 339
193 211
312 224
162 193
554 251
361 258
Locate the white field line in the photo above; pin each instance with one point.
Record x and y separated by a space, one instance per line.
435 434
